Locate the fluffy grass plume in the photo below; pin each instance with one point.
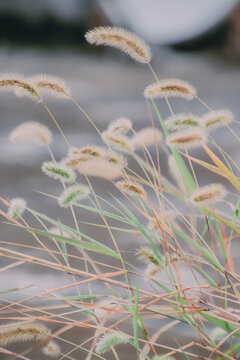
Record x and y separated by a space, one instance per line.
16 207
21 332
209 194
51 349
109 340
108 169
146 137
73 194
58 171
122 39
19 85
131 188
170 88
51 85
31 131
216 119
117 141
180 121
120 125
146 255
186 139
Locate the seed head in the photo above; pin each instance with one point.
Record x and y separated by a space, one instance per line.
19 85
120 126
110 340
58 171
131 188
216 119
16 207
51 85
117 141
20 332
180 121
51 349
146 255
121 39
170 88
73 194
185 139
146 137
208 195
31 131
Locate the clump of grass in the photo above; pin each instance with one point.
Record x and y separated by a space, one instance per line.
177 226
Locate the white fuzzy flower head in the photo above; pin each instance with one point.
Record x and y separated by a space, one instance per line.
31 131
88 152
19 85
117 141
16 208
208 195
186 139
216 119
110 340
121 39
180 121
21 332
50 85
170 88
58 171
100 168
146 137
131 188
73 194
51 349
120 126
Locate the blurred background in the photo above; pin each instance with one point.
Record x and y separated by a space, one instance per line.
195 41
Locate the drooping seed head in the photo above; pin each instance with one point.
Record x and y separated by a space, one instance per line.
146 137
120 126
58 171
186 139
73 194
31 131
170 88
51 85
51 349
110 340
100 168
16 208
21 332
146 255
216 119
90 151
131 188
208 195
121 39
117 141
180 121
19 85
